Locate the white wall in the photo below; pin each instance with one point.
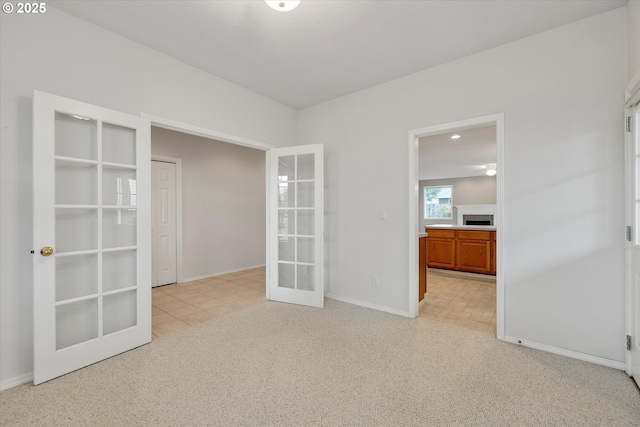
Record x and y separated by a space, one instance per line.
60 54
562 93
633 37
223 199
472 190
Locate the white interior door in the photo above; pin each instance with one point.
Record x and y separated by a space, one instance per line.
163 229
633 246
296 225
91 233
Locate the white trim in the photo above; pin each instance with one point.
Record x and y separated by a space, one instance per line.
567 353
16 381
414 224
178 126
221 273
368 305
179 250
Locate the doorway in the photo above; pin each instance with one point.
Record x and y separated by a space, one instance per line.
221 228
416 226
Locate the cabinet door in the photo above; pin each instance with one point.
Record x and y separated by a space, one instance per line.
493 252
441 253
473 255
422 268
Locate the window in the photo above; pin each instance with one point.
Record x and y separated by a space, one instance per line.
437 202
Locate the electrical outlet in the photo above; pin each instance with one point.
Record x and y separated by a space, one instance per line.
375 281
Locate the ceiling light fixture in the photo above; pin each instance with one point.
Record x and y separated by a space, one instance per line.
283 5
456 136
491 169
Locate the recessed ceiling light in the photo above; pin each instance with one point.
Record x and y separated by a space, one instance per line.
455 136
283 5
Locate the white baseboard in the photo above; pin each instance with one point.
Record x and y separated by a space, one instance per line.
568 353
13 382
368 305
221 273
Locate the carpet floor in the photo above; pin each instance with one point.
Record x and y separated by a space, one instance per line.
280 364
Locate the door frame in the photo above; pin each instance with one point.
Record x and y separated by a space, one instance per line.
414 223
183 127
178 162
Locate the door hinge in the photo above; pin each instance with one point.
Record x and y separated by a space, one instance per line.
629 342
629 124
629 233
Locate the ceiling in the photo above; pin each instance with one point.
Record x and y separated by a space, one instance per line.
326 49
443 157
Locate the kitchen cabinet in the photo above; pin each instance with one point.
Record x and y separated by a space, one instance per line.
441 248
473 251
462 249
422 267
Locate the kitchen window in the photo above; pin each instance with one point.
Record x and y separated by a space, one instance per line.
437 202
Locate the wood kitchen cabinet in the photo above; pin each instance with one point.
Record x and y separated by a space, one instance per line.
441 248
422 267
473 251
462 249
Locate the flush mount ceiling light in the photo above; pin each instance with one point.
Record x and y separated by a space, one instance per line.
456 136
491 169
283 5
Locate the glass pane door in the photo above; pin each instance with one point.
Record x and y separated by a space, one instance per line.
91 297
296 273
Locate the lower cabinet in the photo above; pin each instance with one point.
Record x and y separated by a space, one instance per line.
441 249
422 267
463 250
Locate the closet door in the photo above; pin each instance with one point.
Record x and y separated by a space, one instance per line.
164 226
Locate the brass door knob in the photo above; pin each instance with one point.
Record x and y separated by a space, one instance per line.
46 251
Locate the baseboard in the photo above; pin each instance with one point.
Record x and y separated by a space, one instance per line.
13 382
221 273
368 305
568 353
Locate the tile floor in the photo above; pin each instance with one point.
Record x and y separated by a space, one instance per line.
462 301
179 305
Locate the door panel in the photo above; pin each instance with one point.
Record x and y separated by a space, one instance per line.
164 229
633 246
92 294
296 227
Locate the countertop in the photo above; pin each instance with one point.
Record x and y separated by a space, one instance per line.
463 227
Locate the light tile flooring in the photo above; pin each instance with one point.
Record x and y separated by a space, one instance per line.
177 306
462 301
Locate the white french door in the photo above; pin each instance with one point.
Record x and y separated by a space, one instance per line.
91 234
296 225
633 245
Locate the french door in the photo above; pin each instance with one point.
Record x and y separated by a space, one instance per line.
296 225
633 243
91 234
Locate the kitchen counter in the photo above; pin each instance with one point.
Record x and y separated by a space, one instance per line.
462 227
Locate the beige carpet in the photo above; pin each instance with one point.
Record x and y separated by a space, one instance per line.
279 364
